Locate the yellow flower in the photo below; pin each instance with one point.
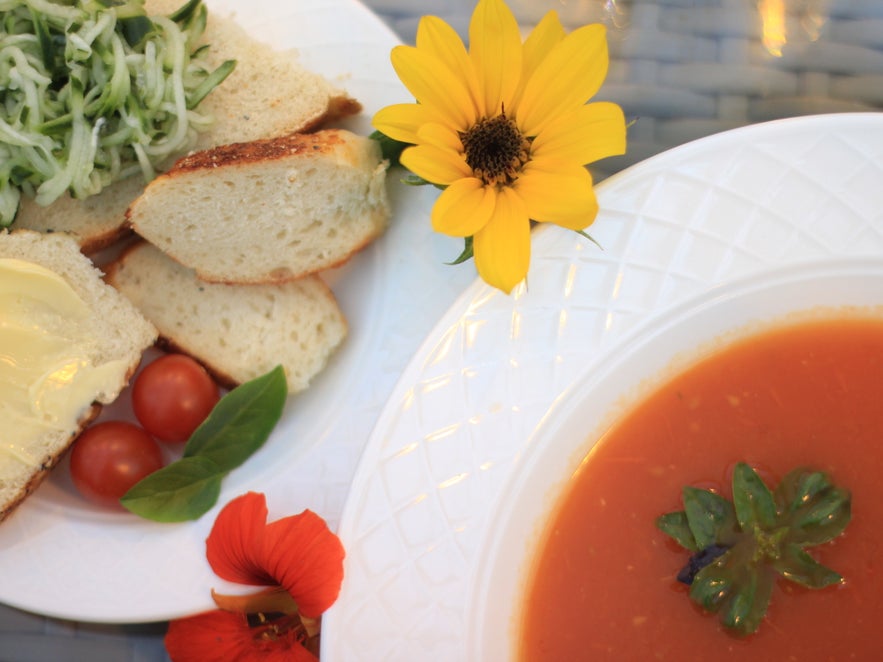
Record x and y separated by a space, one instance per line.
505 129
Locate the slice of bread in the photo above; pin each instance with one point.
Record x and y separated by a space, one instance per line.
268 94
238 332
117 335
269 211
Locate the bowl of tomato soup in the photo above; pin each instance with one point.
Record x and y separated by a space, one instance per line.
780 370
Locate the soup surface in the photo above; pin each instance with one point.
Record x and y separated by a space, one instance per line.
603 585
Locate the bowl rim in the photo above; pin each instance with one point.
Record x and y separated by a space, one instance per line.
505 558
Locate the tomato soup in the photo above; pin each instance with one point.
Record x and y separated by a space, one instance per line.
603 586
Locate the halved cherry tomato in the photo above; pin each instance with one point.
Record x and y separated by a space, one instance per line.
172 395
110 457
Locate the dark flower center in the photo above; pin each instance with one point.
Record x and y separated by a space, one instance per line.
269 627
495 149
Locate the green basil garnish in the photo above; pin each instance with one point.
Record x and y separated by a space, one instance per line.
237 427
740 548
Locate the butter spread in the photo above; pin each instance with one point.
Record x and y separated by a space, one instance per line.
47 348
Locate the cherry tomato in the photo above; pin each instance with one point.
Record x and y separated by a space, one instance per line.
172 395
110 457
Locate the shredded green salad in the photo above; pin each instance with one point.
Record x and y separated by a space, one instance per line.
94 91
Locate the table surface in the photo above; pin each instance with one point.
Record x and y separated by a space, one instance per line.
682 69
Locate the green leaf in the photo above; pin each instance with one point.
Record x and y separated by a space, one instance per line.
390 148
676 525
414 180
183 490
586 235
712 586
764 534
748 602
798 566
710 516
241 422
814 510
799 487
824 519
466 254
752 499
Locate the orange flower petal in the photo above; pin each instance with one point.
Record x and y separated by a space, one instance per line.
234 545
591 132
220 636
559 193
306 559
502 247
496 51
463 208
566 78
434 164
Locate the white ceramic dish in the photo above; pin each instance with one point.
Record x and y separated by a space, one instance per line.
658 349
462 416
63 558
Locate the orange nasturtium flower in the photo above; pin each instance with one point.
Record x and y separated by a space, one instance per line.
505 129
300 561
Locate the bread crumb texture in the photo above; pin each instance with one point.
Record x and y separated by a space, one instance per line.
268 211
238 332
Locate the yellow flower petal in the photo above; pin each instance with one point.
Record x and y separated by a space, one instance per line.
432 83
591 132
437 37
496 51
540 42
558 192
402 121
568 77
463 208
502 247
439 135
434 164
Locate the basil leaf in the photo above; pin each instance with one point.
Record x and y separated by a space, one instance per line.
183 490
799 487
796 565
241 421
676 526
748 602
752 499
712 586
824 519
711 517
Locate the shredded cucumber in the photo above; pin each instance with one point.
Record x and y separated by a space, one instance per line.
93 91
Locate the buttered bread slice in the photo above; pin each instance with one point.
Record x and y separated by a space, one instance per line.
69 343
268 211
238 332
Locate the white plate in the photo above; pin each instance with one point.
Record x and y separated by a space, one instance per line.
650 355
459 420
62 558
